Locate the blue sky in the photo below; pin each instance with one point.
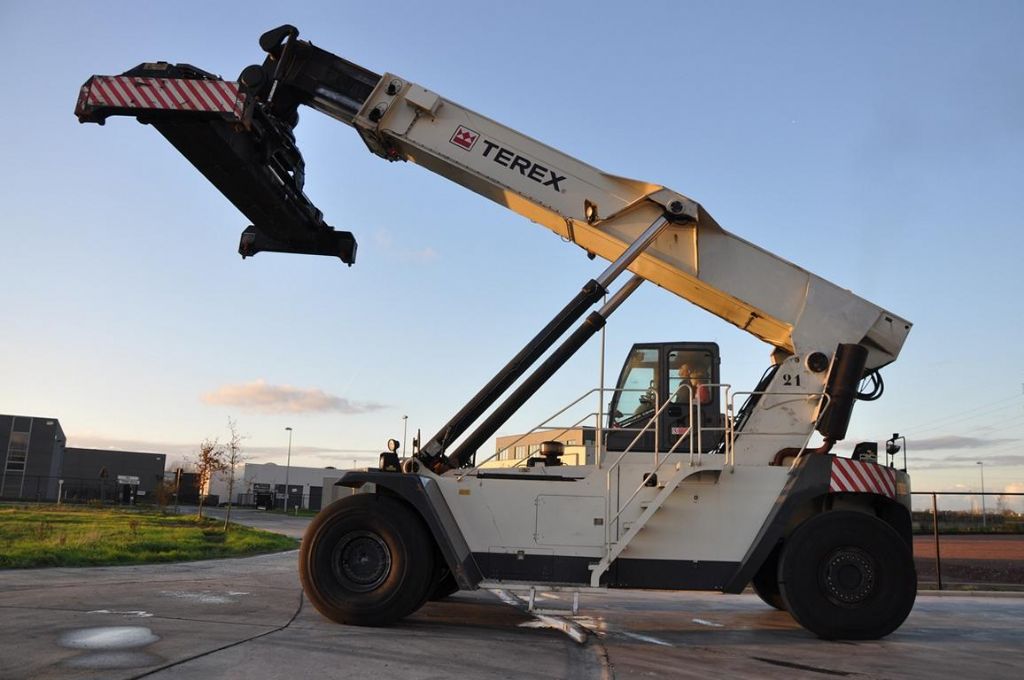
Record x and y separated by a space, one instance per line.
877 145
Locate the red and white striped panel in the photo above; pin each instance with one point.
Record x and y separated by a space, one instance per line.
859 477
165 94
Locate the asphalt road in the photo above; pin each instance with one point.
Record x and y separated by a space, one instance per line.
246 618
289 525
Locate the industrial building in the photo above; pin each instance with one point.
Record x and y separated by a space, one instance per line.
121 476
513 450
37 465
263 485
31 455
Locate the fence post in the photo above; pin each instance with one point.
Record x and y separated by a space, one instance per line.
935 532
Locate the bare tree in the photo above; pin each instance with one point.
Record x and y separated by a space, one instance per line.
1002 505
233 457
209 461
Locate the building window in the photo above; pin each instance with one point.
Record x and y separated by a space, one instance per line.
17 452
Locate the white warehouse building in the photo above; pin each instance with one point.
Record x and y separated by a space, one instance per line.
263 485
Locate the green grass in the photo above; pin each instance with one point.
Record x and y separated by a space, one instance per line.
51 536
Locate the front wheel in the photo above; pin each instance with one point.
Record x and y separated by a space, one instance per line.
847 575
366 560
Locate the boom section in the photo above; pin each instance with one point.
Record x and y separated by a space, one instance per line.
695 258
246 148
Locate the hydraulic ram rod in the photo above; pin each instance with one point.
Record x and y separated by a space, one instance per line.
434 450
591 325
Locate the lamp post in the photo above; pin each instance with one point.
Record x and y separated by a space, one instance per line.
405 430
287 469
982 464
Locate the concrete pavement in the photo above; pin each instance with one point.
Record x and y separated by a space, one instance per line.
246 618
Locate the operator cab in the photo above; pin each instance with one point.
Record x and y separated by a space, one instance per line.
663 388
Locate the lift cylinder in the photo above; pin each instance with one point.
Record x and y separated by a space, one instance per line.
843 380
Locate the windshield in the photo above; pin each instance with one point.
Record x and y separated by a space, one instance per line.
636 394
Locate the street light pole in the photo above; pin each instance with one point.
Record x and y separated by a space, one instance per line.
405 430
982 464
287 469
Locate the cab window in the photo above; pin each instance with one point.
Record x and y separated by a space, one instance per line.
693 369
636 393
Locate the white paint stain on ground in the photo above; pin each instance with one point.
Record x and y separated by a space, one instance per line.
206 597
131 612
704 622
108 637
646 638
110 647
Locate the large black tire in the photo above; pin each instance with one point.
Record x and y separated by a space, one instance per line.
366 560
766 582
442 582
444 586
847 575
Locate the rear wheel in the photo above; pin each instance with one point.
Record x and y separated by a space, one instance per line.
847 575
366 560
766 582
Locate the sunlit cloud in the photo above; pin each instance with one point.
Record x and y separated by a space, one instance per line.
969 461
260 397
91 440
956 442
183 454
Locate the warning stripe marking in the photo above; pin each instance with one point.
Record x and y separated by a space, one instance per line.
854 476
164 94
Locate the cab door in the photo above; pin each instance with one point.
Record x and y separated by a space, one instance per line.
693 413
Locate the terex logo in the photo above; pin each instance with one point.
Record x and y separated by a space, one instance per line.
527 168
465 138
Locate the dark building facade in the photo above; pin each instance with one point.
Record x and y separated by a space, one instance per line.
31 456
119 476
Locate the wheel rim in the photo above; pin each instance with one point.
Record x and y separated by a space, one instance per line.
361 561
848 576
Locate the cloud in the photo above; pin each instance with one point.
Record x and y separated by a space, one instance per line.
955 442
89 440
386 243
260 397
423 255
967 461
179 453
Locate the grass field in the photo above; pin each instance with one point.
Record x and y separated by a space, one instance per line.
52 536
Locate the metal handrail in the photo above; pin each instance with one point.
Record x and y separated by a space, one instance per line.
547 420
695 425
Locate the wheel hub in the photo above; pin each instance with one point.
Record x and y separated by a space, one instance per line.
361 560
848 576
